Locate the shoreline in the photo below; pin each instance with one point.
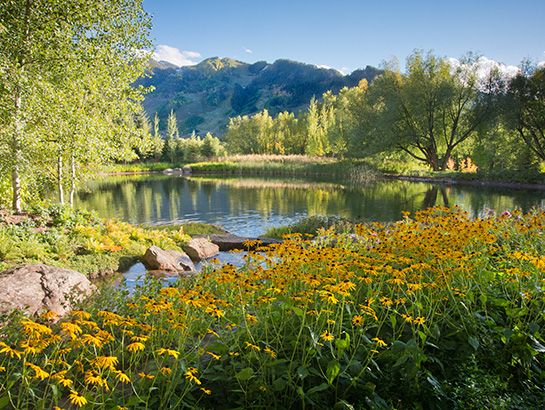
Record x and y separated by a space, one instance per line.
400 177
476 183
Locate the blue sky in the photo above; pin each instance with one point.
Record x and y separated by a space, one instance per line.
346 34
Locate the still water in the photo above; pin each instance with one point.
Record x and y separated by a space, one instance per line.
246 206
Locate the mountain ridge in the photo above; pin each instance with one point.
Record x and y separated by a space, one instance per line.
205 95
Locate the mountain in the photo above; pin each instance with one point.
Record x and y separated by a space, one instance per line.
205 95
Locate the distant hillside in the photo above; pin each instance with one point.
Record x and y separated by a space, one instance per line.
205 95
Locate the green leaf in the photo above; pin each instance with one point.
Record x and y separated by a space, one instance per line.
298 311
483 299
422 335
276 362
473 342
302 372
401 360
393 321
279 384
245 374
4 401
333 369
315 389
342 344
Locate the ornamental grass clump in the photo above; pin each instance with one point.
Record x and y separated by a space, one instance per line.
420 314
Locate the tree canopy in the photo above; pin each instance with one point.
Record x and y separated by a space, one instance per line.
65 89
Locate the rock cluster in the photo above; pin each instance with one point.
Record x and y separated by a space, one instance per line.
35 288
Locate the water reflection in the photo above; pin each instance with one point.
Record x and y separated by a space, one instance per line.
246 206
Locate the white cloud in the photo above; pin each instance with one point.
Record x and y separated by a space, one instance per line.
484 66
175 56
247 50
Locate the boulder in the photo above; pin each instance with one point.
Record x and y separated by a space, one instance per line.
38 288
187 170
201 248
166 260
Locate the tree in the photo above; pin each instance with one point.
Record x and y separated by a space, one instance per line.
173 135
527 91
428 111
48 49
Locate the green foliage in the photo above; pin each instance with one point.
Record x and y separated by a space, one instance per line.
64 125
527 92
405 316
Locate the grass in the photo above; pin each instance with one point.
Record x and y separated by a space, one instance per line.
438 311
317 225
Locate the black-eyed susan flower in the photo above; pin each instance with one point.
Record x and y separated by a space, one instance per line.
170 352
77 398
190 374
146 376
357 320
11 350
40 373
270 352
379 341
327 336
254 347
165 370
106 361
205 391
135 347
122 376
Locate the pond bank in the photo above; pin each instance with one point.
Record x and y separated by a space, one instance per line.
476 183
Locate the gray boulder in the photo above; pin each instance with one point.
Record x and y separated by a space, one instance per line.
201 248
38 288
168 260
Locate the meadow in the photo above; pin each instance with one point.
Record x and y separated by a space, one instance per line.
437 311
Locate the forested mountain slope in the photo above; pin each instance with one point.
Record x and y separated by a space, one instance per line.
205 95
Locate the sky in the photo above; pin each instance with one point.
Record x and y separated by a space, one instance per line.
346 34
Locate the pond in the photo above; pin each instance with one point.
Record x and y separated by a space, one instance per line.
246 206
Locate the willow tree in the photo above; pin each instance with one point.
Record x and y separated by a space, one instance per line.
53 53
430 110
527 92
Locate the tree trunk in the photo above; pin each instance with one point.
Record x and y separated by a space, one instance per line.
59 179
16 157
73 178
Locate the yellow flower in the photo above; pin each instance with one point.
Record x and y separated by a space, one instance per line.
250 318
77 399
122 376
190 374
93 377
419 320
49 315
380 342
270 352
327 336
357 320
206 391
10 350
172 353
252 346
215 356
106 361
145 376
165 370
40 373
135 347
80 314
